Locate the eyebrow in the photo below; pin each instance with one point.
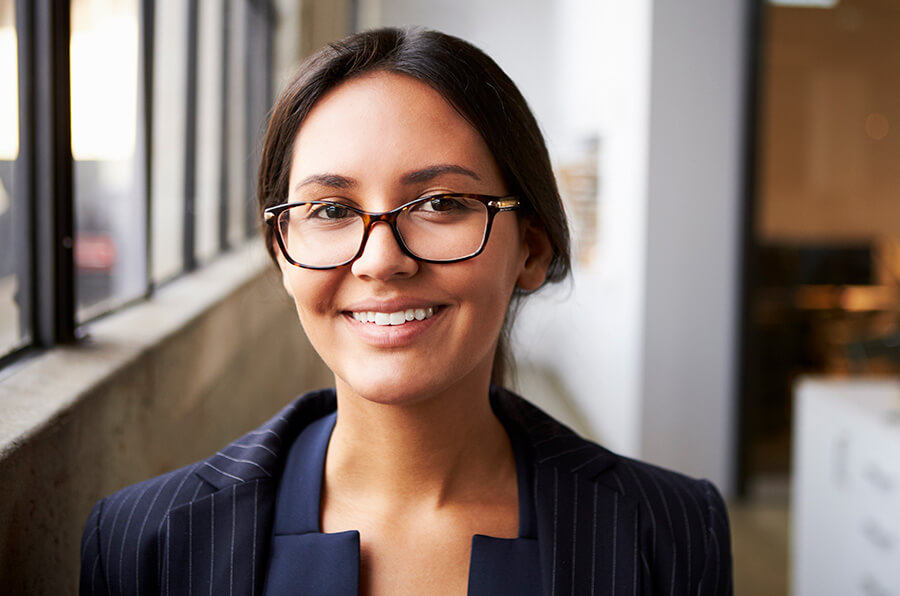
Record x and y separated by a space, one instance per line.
432 172
329 180
414 177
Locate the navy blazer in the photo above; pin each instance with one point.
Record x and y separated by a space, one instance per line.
606 524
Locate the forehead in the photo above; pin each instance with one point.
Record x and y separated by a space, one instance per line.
383 124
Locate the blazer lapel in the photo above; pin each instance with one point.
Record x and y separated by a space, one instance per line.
330 562
588 530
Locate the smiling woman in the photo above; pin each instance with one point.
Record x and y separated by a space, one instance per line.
391 139
409 202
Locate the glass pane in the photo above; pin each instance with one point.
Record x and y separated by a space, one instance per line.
238 144
169 133
14 328
209 127
110 254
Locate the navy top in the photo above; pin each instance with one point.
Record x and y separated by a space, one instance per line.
498 566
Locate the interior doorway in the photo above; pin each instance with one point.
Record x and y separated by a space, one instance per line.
823 284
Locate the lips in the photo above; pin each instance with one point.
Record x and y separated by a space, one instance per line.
388 326
399 317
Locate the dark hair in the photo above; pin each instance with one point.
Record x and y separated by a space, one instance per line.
472 83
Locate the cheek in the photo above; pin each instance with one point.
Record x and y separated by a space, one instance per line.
504 256
491 277
312 292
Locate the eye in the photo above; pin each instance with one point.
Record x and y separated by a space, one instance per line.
330 211
443 204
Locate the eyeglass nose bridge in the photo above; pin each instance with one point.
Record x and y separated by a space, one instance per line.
389 218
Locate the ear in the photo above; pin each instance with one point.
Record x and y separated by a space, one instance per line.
538 254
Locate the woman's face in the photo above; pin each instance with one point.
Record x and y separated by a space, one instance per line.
377 142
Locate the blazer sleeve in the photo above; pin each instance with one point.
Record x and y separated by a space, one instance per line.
93 578
717 570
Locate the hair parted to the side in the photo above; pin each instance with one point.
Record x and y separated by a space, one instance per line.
473 84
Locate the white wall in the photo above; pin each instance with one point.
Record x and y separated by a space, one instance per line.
512 32
591 333
692 273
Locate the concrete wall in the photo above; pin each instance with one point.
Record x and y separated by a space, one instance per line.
157 386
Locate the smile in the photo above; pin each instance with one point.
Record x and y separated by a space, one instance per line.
394 318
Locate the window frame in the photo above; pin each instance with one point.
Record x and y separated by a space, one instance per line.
43 195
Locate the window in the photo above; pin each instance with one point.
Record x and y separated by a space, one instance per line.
129 132
211 122
823 294
170 131
236 110
14 272
110 227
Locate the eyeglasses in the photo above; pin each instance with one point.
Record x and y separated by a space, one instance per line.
444 228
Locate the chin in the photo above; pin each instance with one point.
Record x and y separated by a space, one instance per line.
390 392
402 386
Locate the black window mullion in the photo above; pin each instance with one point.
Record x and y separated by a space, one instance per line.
53 176
148 29
190 139
251 38
223 150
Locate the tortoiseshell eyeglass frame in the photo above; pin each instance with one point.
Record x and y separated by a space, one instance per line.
493 204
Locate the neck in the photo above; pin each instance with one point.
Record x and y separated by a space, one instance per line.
447 447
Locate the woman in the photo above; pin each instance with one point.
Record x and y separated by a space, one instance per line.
409 201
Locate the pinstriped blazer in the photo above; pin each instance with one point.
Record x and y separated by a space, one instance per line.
606 524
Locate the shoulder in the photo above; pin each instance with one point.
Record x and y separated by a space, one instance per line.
122 531
683 529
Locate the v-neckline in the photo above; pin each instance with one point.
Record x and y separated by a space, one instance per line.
328 563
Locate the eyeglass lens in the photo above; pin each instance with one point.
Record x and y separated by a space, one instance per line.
442 229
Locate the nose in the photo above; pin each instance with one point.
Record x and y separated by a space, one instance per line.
383 258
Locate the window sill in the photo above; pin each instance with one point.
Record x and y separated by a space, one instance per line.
36 392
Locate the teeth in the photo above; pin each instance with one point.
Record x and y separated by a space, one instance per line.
394 318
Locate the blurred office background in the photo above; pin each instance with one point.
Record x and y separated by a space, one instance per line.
731 171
